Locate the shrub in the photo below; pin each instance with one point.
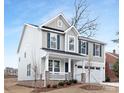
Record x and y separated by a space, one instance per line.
61 83
54 86
71 81
107 79
48 86
74 81
68 83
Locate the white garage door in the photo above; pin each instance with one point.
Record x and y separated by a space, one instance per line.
78 71
96 75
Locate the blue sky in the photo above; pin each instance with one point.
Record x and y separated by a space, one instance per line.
18 12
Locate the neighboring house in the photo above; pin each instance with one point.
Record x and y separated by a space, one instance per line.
8 71
60 52
111 59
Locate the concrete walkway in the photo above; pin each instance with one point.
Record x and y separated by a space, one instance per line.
114 84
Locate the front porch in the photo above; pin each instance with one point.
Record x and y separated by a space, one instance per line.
62 67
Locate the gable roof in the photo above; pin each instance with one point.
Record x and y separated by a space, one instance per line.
113 54
22 35
72 27
59 15
91 40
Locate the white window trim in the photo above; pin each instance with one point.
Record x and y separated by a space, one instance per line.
28 70
50 41
68 43
53 65
95 50
86 48
58 23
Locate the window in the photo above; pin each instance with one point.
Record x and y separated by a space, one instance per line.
25 55
86 67
71 43
97 68
59 23
97 50
28 69
53 40
50 65
110 66
91 67
19 59
83 47
79 66
54 65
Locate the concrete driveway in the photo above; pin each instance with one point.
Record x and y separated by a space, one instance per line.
77 89
114 84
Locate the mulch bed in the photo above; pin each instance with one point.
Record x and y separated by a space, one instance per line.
92 87
44 89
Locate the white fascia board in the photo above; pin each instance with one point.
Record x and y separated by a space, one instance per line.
21 38
74 30
61 14
91 40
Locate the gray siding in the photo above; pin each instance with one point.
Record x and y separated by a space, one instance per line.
94 58
44 40
71 33
54 24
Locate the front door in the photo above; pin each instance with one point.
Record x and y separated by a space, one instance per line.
66 67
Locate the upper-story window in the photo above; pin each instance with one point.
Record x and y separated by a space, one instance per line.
83 47
59 23
71 43
97 50
53 41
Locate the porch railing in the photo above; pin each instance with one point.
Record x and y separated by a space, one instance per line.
58 76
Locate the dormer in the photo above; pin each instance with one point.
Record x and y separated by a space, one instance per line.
71 39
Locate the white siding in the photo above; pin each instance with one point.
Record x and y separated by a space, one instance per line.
31 44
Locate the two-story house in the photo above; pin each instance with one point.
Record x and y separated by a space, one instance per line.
60 52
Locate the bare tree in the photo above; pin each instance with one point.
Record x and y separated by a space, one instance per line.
117 39
81 20
35 69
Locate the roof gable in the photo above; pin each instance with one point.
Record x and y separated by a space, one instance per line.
113 55
55 21
72 28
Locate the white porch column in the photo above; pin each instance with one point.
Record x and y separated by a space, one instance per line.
47 63
83 65
69 69
69 65
46 70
